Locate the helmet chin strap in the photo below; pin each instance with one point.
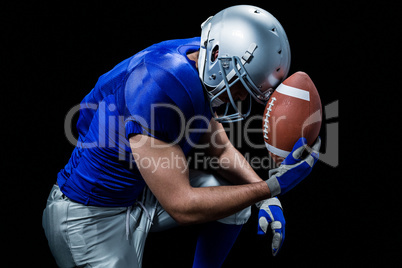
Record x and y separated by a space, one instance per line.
216 102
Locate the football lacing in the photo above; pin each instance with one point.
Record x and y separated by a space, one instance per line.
266 119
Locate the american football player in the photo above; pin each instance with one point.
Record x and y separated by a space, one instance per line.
128 174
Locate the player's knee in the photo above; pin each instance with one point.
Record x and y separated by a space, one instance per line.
238 218
203 179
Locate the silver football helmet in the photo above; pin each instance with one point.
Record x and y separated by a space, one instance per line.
242 44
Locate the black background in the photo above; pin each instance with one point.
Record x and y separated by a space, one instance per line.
53 54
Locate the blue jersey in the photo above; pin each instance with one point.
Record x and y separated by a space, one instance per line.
157 93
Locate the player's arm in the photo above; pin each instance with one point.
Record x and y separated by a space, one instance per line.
280 180
170 184
232 164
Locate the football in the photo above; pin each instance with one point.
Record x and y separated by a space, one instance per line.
292 111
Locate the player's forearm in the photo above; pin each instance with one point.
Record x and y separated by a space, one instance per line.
235 168
213 203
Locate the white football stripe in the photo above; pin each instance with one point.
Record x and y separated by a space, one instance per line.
278 152
293 92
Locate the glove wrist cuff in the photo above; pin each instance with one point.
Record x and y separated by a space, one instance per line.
273 186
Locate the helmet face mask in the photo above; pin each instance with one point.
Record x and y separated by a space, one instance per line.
228 81
242 44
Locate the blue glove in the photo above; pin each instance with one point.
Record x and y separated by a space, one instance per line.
293 169
271 213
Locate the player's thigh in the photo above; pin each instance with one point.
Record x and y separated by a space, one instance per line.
98 237
88 236
54 220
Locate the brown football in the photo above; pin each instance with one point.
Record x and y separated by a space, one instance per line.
293 111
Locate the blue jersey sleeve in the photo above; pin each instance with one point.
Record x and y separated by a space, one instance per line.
157 104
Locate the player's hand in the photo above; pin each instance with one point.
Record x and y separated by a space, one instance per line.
271 214
294 168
